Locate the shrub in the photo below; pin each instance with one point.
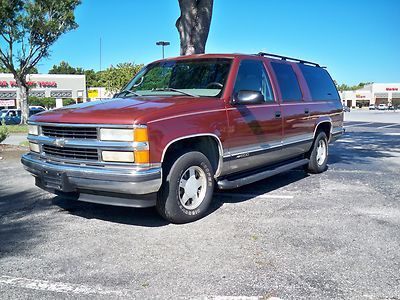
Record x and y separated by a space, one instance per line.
48 103
68 101
3 131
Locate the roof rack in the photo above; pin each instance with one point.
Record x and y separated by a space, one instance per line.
287 58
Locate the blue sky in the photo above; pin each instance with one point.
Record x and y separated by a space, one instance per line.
357 40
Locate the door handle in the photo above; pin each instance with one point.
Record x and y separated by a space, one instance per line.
307 111
277 115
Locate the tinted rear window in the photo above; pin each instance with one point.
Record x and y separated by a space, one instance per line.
287 81
319 83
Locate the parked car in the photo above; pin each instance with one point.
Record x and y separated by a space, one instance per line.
184 125
13 116
372 107
346 108
382 106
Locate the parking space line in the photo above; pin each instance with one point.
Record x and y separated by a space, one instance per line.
239 195
387 126
58 287
358 124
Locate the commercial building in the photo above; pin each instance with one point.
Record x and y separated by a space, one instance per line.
43 85
375 93
96 93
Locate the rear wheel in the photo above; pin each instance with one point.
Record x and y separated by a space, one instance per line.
187 189
318 154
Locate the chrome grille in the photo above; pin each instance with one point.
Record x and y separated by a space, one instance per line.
71 153
70 132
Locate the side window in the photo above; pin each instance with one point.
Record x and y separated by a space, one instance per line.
253 77
319 82
287 81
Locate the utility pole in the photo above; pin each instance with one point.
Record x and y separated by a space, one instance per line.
100 54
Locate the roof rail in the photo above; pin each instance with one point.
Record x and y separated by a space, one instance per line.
288 58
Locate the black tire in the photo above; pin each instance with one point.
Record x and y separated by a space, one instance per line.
316 165
169 198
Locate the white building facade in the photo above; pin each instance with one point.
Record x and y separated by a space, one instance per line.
58 86
375 93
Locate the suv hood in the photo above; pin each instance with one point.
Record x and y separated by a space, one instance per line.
138 110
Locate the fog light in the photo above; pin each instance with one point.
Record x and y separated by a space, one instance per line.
34 147
117 156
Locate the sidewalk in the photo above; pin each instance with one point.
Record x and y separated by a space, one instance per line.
15 139
388 116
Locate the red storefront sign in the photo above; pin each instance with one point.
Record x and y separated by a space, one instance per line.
392 89
32 84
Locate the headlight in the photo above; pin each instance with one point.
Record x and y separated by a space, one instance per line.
118 135
117 156
33 129
34 147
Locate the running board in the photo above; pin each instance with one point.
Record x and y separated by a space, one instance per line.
226 184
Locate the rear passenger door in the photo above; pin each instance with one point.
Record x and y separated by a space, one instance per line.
297 130
255 131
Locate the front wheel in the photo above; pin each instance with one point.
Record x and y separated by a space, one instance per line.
318 154
187 189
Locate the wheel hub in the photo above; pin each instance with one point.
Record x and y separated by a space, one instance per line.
321 152
192 187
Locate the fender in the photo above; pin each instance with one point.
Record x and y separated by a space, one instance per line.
319 121
215 137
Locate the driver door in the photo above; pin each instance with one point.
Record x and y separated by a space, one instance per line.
255 131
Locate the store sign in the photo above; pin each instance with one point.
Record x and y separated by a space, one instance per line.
31 84
7 102
360 96
392 89
93 94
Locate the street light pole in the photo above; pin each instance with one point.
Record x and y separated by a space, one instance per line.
163 44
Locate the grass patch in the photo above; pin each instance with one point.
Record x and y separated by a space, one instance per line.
24 144
17 128
4 132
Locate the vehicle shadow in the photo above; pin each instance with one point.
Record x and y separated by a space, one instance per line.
18 230
258 188
360 147
147 217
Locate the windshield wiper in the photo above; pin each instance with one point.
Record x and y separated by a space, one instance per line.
175 90
125 93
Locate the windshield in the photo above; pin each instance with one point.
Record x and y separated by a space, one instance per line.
197 77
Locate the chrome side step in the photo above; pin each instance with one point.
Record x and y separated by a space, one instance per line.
226 184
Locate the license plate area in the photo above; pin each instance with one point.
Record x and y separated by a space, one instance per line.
52 179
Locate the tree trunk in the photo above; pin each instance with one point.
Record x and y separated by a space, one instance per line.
194 25
23 93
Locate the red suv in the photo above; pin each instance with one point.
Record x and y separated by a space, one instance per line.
184 126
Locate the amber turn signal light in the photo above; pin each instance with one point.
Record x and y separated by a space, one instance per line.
142 156
140 135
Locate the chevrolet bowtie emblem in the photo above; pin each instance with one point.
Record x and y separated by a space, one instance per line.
59 142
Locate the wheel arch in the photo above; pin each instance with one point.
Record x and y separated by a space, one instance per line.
324 125
199 142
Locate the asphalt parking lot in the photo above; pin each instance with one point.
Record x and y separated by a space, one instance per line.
294 236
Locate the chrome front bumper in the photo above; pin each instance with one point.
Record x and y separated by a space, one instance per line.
56 177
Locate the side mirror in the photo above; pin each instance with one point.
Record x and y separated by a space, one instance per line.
247 97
